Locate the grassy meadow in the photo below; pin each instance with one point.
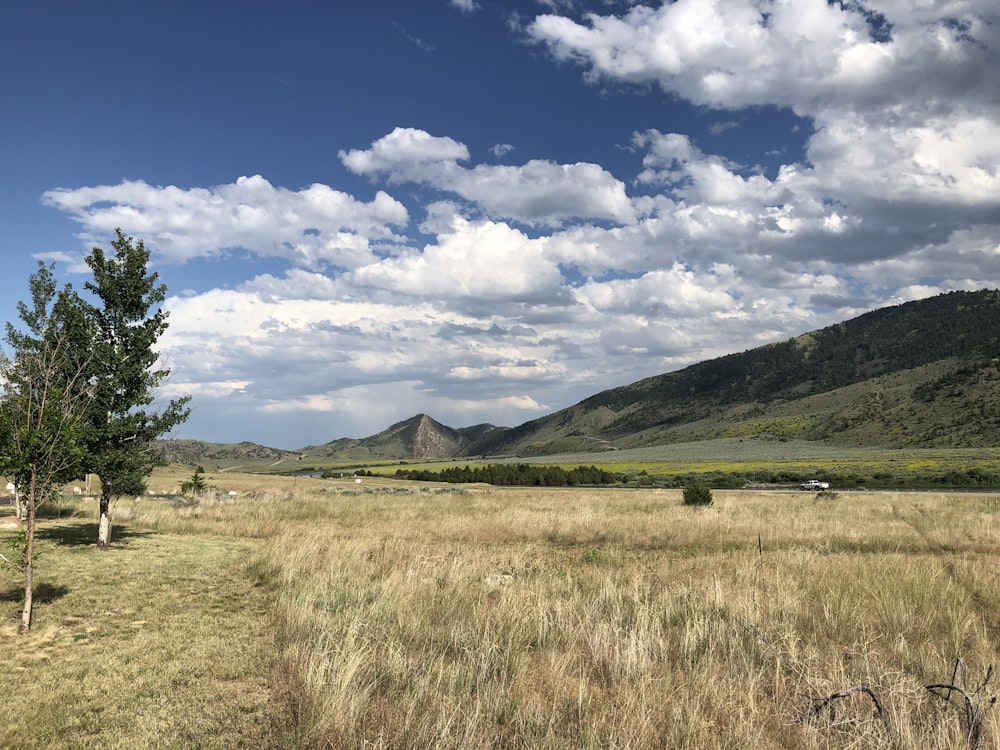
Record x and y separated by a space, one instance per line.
326 614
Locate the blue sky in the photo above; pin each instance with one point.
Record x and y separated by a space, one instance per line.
487 211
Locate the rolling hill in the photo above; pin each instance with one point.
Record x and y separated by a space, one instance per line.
198 451
920 374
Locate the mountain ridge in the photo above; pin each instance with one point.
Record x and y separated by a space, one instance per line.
923 373
419 437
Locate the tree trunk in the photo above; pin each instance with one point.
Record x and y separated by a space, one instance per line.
29 563
104 530
28 583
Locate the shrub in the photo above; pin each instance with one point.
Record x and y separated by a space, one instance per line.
697 494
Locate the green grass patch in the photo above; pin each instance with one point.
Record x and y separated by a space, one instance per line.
732 463
159 642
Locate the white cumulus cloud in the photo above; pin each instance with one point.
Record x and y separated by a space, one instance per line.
314 227
537 193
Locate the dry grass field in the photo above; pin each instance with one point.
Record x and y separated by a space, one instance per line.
325 614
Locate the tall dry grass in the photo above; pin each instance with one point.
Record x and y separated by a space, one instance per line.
414 617
569 619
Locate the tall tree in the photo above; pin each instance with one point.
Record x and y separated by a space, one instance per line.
124 373
45 395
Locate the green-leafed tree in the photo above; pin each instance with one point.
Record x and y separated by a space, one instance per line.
45 397
125 372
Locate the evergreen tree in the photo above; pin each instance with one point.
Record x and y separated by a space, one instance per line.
196 484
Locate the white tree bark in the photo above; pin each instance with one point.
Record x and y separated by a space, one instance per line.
104 532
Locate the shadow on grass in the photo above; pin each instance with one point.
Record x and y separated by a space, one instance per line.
43 593
81 534
65 512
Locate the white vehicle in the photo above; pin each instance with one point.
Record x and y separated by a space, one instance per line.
815 484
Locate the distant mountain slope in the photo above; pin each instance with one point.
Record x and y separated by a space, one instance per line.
934 359
198 451
418 437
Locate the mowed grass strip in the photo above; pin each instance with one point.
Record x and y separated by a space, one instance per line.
160 642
